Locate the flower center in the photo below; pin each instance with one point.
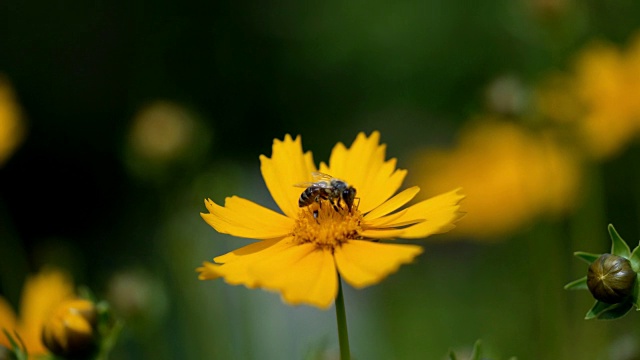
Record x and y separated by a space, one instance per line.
326 226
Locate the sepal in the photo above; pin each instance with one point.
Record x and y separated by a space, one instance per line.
587 257
604 311
580 284
618 246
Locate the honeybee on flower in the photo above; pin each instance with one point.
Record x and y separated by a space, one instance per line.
326 187
303 258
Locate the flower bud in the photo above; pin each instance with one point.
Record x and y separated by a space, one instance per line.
611 278
69 332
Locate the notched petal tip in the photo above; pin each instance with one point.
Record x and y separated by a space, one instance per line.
208 271
288 165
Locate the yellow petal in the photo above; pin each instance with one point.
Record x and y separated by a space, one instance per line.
247 250
392 204
7 321
382 234
303 274
287 166
243 218
439 214
382 221
364 263
40 295
237 264
364 167
390 221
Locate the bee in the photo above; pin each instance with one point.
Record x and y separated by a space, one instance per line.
326 187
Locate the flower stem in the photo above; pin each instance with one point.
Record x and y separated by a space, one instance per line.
343 336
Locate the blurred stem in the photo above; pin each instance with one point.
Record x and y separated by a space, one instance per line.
588 226
587 232
547 258
343 335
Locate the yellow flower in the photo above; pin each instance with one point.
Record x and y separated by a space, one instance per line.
510 176
599 97
41 294
11 125
303 249
70 329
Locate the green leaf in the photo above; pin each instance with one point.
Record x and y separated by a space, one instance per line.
635 259
588 257
618 246
17 346
635 294
477 351
452 355
597 309
617 311
580 284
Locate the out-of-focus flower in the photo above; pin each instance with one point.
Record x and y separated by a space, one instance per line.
506 95
165 136
549 8
510 176
136 293
302 251
12 128
41 294
70 330
598 98
162 131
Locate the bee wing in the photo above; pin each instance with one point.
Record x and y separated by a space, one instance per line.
321 180
321 177
304 184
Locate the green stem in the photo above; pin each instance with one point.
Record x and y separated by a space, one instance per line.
343 336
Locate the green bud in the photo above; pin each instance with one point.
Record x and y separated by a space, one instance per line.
611 279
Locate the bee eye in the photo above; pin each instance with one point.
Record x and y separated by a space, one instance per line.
611 278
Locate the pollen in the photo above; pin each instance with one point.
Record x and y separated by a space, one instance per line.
326 226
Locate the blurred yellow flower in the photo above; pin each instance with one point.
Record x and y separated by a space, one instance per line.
41 294
509 175
70 329
12 129
599 97
302 250
161 131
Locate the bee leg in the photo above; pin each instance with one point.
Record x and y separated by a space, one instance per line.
315 215
335 206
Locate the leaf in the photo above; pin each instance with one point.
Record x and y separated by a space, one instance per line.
635 259
618 246
617 311
635 294
597 309
580 284
452 355
588 257
477 351
18 348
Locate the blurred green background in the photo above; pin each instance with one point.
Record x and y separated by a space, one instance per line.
135 112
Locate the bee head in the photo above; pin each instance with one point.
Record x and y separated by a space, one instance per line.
348 195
